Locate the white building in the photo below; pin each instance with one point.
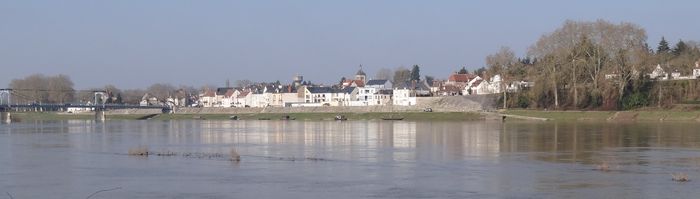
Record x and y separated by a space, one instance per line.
379 84
373 96
207 99
244 99
260 99
658 73
675 75
320 95
404 97
291 98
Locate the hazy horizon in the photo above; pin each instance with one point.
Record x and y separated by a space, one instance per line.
133 44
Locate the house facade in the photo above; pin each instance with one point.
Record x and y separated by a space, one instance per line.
403 97
379 84
318 95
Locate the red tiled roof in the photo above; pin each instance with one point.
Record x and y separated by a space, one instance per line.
229 93
209 94
349 82
461 77
243 94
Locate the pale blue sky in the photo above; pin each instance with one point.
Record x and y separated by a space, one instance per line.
137 43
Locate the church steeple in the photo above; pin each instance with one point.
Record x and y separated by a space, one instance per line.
361 76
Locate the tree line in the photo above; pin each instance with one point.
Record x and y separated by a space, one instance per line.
596 65
58 89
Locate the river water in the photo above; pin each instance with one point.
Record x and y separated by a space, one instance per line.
351 159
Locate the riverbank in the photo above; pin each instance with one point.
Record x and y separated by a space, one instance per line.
28 116
535 115
411 116
611 116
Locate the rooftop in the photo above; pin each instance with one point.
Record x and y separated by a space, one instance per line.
317 89
376 82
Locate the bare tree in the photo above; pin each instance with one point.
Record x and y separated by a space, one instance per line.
244 83
401 75
44 89
501 63
161 91
384 73
132 96
60 89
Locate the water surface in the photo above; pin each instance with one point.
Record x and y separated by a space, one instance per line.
353 159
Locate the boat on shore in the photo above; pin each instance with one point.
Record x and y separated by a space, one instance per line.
340 118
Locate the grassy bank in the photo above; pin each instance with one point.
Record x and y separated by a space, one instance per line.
447 116
63 116
639 116
452 116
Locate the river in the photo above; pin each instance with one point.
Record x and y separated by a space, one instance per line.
349 159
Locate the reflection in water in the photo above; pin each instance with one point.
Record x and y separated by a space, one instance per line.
392 159
346 140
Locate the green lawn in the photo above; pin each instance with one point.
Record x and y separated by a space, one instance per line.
61 116
564 115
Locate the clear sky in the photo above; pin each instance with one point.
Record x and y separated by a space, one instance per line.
133 44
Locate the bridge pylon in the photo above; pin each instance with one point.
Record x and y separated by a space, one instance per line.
100 102
5 97
5 103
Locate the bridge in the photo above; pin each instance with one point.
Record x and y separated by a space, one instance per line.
99 105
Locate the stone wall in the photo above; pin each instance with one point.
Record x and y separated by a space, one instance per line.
438 104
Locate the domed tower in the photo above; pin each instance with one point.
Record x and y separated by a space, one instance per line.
361 76
297 80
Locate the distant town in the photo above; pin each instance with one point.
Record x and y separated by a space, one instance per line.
583 65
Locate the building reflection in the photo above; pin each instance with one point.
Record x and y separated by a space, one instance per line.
388 140
366 140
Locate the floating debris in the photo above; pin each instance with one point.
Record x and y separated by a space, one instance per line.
603 167
680 177
139 151
316 159
166 153
143 151
235 156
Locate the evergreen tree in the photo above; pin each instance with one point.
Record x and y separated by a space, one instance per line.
429 79
680 48
109 98
463 71
663 47
119 98
415 73
480 71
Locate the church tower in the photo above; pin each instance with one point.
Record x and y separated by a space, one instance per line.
361 76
